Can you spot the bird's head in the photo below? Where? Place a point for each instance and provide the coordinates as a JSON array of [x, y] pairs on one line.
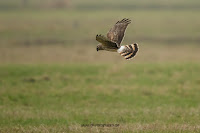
[[99, 47]]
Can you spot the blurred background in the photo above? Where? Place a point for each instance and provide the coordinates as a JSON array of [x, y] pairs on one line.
[[63, 31], [52, 79]]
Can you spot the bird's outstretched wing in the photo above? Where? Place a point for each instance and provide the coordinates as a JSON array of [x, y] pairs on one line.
[[105, 41], [116, 33]]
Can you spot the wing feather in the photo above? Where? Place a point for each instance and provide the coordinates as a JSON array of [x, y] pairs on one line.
[[116, 33], [105, 41]]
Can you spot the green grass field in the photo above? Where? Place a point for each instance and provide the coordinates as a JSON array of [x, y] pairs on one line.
[[53, 80], [139, 97]]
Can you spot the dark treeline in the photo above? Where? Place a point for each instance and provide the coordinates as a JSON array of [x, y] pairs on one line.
[[87, 5], [18, 4]]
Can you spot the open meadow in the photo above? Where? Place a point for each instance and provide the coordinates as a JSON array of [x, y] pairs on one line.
[[52, 79]]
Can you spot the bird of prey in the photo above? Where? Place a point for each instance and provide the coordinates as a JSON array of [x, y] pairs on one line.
[[113, 40]]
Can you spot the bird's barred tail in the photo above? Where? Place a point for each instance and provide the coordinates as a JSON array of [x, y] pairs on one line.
[[128, 51]]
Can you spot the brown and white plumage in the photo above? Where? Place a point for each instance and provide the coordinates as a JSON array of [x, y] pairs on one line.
[[114, 38]]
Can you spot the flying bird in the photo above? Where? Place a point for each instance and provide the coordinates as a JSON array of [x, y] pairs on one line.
[[114, 38]]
